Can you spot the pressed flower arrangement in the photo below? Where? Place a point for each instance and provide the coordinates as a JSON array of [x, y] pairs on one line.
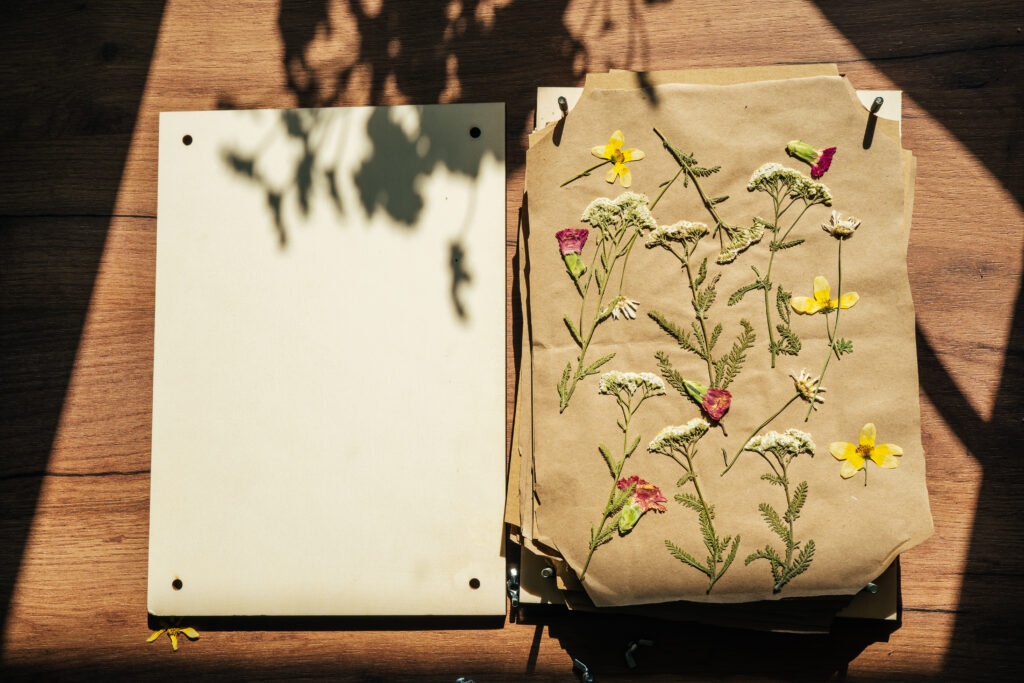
[[779, 451], [616, 224], [631, 497], [680, 444], [787, 188]]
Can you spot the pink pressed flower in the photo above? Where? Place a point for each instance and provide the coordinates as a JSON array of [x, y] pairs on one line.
[[646, 496], [716, 403], [819, 159], [571, 240]]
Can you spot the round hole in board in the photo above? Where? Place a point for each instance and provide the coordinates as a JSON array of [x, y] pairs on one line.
[[474, 583], [474, 132], [187, 140], [176, 584]]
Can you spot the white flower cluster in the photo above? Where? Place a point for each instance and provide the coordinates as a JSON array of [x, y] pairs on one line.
[[683, 231], [741, 238], [793, 442], [628, 209], [613, 382], [680, 435], [797, 183]]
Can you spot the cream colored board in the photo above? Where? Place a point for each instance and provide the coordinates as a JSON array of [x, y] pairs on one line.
[[329, 363]]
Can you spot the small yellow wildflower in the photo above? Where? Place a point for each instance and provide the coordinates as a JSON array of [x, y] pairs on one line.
[[821, 300], [855, 457], [173, 632], [614, 152]]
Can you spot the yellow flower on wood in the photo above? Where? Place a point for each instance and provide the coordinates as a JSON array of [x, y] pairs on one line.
[[614, 152], [855, 457], [821, 301], [173, 632]]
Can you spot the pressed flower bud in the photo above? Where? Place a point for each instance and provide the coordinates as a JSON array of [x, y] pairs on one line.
[[628, 517], [575, 265], [696, 390], [819, 159]]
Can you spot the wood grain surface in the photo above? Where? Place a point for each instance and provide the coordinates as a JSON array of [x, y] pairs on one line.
[[82, 84]]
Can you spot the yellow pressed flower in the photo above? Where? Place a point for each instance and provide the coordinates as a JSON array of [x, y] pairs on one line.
[[173, 632], [855, 457], [821, 301], [614, 152]]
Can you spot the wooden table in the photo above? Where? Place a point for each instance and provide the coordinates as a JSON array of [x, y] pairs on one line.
[[82, 84]]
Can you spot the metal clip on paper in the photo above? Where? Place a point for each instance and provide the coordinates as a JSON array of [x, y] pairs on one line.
[[512, 584]]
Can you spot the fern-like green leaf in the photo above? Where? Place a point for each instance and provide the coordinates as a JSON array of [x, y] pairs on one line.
[[738, 295], [686, 558], [636, 442], [782, 298], [772, 478], [797, 502], [732, 363], [595, 367], [682, 338], [779, 246], [719, 199], [702, 273], [705, 297], [689, 500], [714, 336], [607, 458], [572, 331], [771, 517], [563, 384], [702, 343], [787, 343], [731, 556], [674, 379]]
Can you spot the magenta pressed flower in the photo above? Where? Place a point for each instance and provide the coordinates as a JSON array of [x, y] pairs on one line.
[[570, 244], [646, 496], [819, 159], [716, 403]]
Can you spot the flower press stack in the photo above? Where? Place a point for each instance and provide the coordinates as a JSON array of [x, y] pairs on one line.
[[717, 408]]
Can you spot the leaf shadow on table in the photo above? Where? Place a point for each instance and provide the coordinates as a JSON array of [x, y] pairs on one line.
[[964, 65], [72, 95]]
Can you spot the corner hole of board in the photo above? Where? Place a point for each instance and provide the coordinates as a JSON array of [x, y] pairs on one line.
[[176, 584], [186, 140], [474, 583], [474, 132]]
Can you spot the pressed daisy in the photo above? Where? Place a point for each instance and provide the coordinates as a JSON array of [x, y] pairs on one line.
[[615, 153], [855, 457], [839, 227], [819, 159], [821, 301], [570, 245], [625, 308], [173, 632], [808, 387]]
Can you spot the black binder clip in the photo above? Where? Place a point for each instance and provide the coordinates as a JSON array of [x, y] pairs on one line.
[[512, 584], [869, 133]]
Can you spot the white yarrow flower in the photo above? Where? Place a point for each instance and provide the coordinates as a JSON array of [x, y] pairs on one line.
[[678, 436], [614, 382], [792, 442]]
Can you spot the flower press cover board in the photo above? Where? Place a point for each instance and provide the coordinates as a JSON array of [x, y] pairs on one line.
[[329, 363], [725, 396]]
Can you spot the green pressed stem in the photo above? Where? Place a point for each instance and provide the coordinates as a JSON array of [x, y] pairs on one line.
[[586, 172], [771, 260], [665, 189], [835, 332], [756, 430], [700, 318], [627, 413]]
